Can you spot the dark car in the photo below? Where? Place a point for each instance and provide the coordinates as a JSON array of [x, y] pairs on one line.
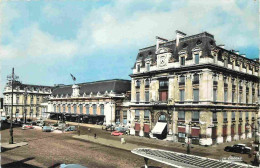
[[238, 148]]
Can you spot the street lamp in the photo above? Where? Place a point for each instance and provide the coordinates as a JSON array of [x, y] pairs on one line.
[[256, 162], [12, 78]]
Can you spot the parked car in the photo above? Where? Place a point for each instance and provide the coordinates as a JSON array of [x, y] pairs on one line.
[[27, 127], [238, 148], [109, 127], [47, 129], [121, 129], [117, 133], [100, 123], [70, 128]]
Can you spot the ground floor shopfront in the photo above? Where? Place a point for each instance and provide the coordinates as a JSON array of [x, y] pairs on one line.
[[197, 125]]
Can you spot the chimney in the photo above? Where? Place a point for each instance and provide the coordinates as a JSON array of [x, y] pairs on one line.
[[221, 46], [243, 55], [237, 52], [159, 41], [179, 35], [75, 90]]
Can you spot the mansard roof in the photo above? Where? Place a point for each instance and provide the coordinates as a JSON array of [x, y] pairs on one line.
[[204, 41], [117, 86], [28, 86]]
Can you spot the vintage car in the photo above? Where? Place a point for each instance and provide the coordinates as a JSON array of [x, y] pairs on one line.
[[70, 128], [47, 129], [238, 148], [117, 133], [27, 127]]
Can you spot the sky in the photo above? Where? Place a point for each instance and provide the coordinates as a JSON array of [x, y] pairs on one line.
[[94, 40]]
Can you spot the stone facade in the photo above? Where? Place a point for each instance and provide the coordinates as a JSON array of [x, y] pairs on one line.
[[199, 89], [27, 100]]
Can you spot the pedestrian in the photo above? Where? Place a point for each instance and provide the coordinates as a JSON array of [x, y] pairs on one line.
[[95, 136]]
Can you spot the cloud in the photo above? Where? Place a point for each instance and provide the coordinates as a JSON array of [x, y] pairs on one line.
[[128, 24], [32, 42]]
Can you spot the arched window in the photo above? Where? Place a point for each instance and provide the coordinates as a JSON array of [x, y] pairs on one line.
[[69, 108], [162, 118], [64, 108], [59, 108], [87, 109], [81, 109], [75, 108], [94, 109], [102, 109]]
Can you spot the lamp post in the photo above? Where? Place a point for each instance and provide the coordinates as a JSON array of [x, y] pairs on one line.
[[12, 78]]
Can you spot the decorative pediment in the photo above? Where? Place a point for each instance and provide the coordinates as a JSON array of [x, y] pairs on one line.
[[225, 55], [196, 49], [233, 58], [163, 50], [84, 94], [182, 52], [91, 94]]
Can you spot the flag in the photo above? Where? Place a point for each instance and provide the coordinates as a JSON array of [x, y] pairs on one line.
[[73, 77]]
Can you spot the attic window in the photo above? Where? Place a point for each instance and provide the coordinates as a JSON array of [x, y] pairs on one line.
[[150, 53], [140, 55], [211, 42], [198, 42], [184, 45]]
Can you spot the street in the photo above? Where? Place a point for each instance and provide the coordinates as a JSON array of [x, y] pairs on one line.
[[51, 150]]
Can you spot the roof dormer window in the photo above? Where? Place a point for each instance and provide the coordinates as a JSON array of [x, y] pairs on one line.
[[182, 60], [148, 66], [138, 67]]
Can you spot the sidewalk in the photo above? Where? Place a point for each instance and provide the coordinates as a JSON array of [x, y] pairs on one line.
[[109, 142], [14, 145]]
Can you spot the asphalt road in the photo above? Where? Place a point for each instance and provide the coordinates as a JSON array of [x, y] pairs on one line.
[[51, 150]]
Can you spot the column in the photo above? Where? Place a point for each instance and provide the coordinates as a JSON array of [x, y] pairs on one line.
[[229, 89], [205, 87], [175, 125], [219, 127], [205, 130], [142, 90], [220, 89], [133, 91], [141, 133], [187, 120], [249, 135], [243, 135], [229, 119], [188, 88], [236, 136], [132, 130]]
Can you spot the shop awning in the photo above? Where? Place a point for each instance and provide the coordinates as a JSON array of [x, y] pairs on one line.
[[159, 127]]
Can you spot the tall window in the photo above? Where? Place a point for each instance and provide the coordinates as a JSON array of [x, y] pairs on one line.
[[138, 83], [182, 61], [94, 109], [196, 95], [181, 115], [147, 67], [75, 108], [31, 99], [182, 80], [137, 96], [233, 115], [87, 109], [54, 108], [215, 116], [38, 99], [195, 78], [59, 108], [117, 116], [63, 106], [225, 116], [137, 114], [138, 68], [162, 118], [233, 96], [197, 59], [69, 108], [147, 96], [124, 117], [182, 95], [81, 109], [240, 115], [17, 99], [102, 109], [226, 62], [17, 113], [146, 114], [147, 83], [163, 90], [214, 95], [225, 95], [195, 116], [240, 97], [247, 115]]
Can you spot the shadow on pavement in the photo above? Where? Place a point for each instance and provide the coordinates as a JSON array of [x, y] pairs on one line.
[[20, 164]]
